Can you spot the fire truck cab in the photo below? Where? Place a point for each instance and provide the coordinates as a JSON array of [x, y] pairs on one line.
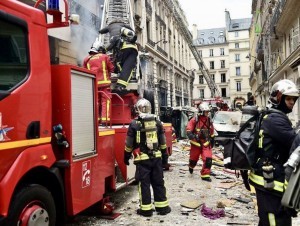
[[55, 159]]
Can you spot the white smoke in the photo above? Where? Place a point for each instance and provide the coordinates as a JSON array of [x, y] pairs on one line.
[[84, 34]]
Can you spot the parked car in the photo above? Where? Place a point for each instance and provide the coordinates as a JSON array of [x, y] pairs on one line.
[[226, 124]]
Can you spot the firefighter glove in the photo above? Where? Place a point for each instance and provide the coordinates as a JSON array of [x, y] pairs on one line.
[[190, 135], [212, 142], [244, 174], [127, 156], [164, 157]]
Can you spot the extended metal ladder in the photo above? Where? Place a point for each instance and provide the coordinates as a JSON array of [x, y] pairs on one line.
[[210, 82], [116, 9]]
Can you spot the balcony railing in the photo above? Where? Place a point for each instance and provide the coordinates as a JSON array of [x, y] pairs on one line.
[[277, 14], [162, 51], [150, 42]]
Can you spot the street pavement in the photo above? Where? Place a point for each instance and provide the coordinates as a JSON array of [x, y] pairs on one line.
[[225, 198]]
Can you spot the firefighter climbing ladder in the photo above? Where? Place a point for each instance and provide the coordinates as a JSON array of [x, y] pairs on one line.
[[119, 10], [210, 82]]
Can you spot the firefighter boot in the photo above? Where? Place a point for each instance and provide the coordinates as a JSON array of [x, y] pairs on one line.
[[163, 210], [206, 179], [120, 90], [145, 213], [191, 170]]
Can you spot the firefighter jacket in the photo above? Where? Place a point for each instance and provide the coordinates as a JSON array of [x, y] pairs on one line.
[[200, 130], [102, 65], [276, 136], [117, 40], [146, 138]]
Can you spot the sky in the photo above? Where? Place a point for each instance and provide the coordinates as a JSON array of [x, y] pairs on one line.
[[211, 13]]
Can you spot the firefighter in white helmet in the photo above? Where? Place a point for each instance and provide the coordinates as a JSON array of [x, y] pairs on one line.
[[125, 51], [200, 131], [275, 140], [100, 63], [147, 142]]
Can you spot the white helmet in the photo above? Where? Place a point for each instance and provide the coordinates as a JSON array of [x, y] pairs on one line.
[[143, 106], [283, 87], [203, 107], [97, 46]]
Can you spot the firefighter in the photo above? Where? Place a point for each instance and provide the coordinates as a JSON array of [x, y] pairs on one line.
[[200, 131], [147, 142], [275, 140], [125, 51], [99, 62]]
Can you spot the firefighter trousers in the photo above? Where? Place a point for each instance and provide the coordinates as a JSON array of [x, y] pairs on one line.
[[104, 106], [127, 59], [150, 172], [206, 156], [270, 210]]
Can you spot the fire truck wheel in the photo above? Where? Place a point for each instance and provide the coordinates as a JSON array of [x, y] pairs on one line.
[[149, 95], [32, 206]]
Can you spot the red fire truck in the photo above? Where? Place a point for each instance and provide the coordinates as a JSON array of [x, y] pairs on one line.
[[55, 160]]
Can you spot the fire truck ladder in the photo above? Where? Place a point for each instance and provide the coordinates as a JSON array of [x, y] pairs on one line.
[[210, 82], [119, 10], [116, 10]]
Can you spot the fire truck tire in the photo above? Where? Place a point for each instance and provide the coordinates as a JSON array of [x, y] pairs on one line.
[[149, 95], [32, 205]]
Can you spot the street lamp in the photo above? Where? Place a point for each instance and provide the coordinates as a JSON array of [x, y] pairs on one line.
[[162, 40]]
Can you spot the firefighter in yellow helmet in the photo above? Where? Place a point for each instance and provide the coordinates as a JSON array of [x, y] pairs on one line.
[[147, 142]]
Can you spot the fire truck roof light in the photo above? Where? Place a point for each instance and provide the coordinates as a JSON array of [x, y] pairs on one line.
[[53, 5]]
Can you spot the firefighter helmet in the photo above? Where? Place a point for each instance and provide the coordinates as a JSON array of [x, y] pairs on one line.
[[203, 107], [97, 47], [283, 87], [143, 106]]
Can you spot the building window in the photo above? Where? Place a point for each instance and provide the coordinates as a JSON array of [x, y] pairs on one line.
[[200, 52], [237, 45], [221, 39], [222, 53], [223, 92], [211, 52], [236, 34], [237, 57], [212, 64], [238, 71], [201, 80], [200, 41], [222, 63], [223, 77], [211, 40], [238, 86], [201, 93], [213, 77]]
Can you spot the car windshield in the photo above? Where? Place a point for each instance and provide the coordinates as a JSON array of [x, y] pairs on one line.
[[227, 117]]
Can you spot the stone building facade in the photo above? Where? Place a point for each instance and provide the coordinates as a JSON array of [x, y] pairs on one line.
[[224, 52], [275, 48]]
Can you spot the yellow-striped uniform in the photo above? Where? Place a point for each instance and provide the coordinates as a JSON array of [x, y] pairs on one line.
[[275, 140], [146, 139], [101, 64]]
